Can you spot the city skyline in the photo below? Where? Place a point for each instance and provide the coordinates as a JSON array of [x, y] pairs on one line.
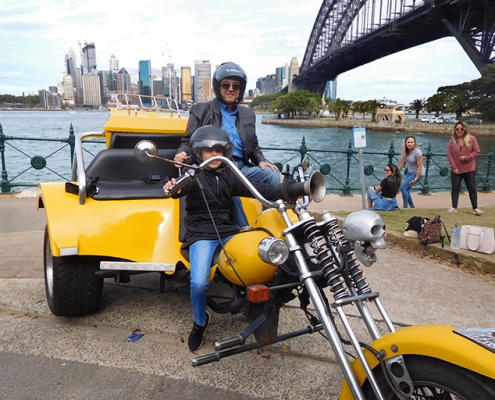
[[259, 36]]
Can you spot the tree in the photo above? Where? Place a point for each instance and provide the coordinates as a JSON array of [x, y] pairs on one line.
[[335, 106], [458, 103], [417, 105], [483, 93], [263, 102], [372, 106], [436, 103]]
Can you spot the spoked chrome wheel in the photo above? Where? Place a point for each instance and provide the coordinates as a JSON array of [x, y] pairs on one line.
[[437, 379]]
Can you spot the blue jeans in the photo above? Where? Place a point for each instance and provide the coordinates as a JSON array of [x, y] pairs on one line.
[[200, 257], [381, 203], [253, 174], [405, 188]]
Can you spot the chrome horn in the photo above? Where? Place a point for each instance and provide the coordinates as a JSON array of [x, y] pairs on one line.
[[316, 187]]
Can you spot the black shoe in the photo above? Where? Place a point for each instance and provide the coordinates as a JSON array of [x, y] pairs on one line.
[[196, 337]]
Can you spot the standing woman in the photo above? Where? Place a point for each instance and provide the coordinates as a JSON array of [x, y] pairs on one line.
[[461, 151], [412, 156], [383, 196]]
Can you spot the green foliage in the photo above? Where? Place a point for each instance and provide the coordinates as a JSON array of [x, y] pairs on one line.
[[262, 103], [483, 93], [417, 105], [436, 103], [8, 100]]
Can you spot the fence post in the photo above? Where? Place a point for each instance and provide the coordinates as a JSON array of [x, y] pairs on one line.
[[391, 153], [426, 188], [5, 181], [72, 144], [486, 184], [303, 149], [347, 187]]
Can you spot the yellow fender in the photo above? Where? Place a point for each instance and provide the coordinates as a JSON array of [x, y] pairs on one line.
[[437, 341]]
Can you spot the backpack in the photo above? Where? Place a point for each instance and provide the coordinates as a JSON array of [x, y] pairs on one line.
[[431, 231]]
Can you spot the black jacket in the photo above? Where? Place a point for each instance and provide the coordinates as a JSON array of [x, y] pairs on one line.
[[208, 113], [219, 187]]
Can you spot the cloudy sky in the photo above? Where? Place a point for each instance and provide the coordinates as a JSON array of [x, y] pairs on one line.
[[259, 35]]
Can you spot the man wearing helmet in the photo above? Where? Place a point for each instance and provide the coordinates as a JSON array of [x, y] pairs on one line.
[[224, 111], [208, 220]]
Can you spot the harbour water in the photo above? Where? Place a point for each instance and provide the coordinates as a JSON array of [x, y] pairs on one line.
[[319, 141]]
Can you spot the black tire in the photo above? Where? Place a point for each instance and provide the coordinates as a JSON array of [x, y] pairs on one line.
[[71, 285], [437, 379]]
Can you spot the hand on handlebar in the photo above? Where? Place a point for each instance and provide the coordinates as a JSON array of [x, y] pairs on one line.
[[181, 157], [169, 185]]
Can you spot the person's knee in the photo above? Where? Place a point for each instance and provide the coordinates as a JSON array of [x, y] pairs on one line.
[[198, 287]]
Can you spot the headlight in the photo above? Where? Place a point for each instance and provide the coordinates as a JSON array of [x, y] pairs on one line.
[[273, 251]]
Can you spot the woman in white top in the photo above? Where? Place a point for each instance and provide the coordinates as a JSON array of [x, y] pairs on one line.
[[412, 156]]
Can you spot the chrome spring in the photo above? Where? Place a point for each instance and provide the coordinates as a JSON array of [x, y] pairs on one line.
[[356, 276], [330, 269]]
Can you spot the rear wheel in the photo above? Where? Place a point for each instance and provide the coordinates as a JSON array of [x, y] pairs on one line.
[[436, 379], [72, 287]]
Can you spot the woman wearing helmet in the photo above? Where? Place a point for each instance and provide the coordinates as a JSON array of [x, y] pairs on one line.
[[209, 200], [224, 111]]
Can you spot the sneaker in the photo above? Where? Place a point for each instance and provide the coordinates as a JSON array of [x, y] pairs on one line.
[[196, 337]]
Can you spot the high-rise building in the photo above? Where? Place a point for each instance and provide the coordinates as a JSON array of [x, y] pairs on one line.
[[123, 81], [158, 87], [89, 58], [113, 64], [282, 75], [145, 83], [68, 90], [202, 80], [72, 69], [171, 82], [91, 89], [49, 99], [186, 84], [331, 90], [107, 85]]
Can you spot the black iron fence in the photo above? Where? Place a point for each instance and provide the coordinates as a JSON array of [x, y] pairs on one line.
[[341, 168]]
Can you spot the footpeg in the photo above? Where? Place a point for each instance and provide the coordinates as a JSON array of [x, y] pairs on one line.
[[226, 344]]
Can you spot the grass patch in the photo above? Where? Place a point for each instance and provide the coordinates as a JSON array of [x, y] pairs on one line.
[[396, 220]]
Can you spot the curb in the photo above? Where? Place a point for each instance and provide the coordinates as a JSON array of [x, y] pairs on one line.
[[481, 262]]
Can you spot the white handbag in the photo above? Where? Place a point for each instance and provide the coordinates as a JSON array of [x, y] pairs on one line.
[[477, 238]]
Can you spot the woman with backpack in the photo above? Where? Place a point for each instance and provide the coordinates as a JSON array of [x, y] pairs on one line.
[[383, 196]]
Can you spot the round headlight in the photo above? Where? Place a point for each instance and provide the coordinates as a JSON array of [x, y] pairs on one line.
[[273, 251]]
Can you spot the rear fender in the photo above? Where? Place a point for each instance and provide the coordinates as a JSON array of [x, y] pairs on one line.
[[144, 230], [437, 341]]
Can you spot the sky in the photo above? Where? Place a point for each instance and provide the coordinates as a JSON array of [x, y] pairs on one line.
[[259, 35]]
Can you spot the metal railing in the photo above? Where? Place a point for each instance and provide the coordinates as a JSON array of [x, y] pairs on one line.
[[340, 167]]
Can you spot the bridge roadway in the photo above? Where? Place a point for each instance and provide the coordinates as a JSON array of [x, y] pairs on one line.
[[87, 357]]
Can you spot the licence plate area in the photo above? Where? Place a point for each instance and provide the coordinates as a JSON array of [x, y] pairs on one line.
[[133, 266], [485, 337]]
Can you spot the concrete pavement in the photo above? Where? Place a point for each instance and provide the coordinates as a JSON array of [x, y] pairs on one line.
[[413, 290]]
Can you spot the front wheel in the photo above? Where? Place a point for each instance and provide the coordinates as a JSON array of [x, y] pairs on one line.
[[437, 379], [72, 287]]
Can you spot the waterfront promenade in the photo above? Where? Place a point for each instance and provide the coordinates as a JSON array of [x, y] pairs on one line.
[[88, 356]]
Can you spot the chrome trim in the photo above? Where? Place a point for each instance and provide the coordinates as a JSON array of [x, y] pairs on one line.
[[133, 266], [68, 251], [485, 337]]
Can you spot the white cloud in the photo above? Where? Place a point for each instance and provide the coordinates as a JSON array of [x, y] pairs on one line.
[[259, 35]]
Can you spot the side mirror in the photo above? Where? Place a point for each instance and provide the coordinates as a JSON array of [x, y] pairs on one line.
[[145, 151]]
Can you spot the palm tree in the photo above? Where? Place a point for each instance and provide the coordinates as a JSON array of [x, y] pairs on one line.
[[436, 103], [335, 106], [346, 106], [417, 105], [458, 103], [372, 106]]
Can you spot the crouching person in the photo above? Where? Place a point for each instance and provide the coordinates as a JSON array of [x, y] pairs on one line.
[[383, 196]]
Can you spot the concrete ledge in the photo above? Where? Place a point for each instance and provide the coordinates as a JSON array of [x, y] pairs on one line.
[[481, 262]]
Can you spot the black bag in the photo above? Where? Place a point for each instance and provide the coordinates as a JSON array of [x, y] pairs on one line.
[[414, 224], [431, 231]]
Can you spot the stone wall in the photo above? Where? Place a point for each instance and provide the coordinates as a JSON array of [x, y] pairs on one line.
[[383, 126]]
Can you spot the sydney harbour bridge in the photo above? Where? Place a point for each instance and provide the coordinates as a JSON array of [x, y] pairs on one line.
[[351, 33]]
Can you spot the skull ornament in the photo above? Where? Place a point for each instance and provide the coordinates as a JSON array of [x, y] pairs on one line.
[[365, 226]]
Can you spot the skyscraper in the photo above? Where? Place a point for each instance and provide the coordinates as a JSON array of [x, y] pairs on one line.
[[114, 64], [123, 81], [145, 83], [72, 70], [171, 82], [202, 80], [91, 89], [186, 84], [89, 58]]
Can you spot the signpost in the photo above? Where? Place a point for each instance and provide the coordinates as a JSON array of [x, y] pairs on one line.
[[359, 142]]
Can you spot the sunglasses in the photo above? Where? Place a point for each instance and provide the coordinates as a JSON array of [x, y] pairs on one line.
[[459, 129], [235, 86]]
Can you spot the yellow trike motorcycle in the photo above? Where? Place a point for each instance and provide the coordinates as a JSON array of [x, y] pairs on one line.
[[114, 220]]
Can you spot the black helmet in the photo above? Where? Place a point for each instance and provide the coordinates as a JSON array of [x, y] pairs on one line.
[[210, 136], [229, 70]]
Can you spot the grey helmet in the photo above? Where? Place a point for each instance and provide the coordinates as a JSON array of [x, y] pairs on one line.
[[210, 136], [229, 70]]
